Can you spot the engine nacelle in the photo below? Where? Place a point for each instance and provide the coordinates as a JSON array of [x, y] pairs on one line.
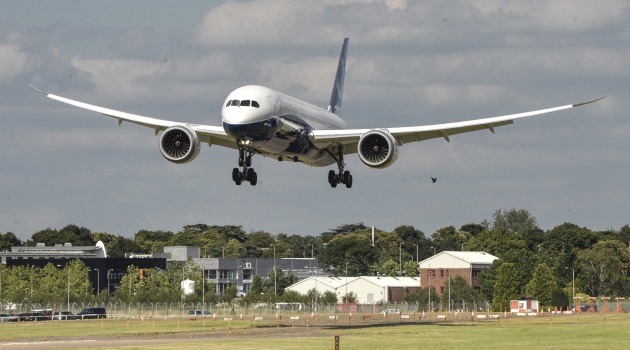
[[377, 149], [179, 144]]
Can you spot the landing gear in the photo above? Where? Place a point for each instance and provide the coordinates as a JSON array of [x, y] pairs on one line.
[[246, 174], [343, 177]]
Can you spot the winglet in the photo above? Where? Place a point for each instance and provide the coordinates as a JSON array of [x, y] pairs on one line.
[[38, 90], [589, 102], [337, 93]]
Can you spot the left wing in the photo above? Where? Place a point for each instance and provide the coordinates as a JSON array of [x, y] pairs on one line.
[[350, 137], [207, 133]]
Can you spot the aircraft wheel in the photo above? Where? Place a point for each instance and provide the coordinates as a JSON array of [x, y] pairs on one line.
[[251, 176], [348, 181], [332, 178], [235, 174]]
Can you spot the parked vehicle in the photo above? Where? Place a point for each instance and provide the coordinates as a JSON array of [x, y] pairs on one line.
[[64, 315], [199, 313], [33, 316], [392, 311], [92, 312], [8, 318]]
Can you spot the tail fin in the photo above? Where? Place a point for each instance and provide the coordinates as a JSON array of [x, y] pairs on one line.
[[337, 93]]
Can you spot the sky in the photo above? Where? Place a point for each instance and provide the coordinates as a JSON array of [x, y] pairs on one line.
[[409, 63]]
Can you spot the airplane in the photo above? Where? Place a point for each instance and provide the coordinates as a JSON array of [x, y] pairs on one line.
[[257, 120]]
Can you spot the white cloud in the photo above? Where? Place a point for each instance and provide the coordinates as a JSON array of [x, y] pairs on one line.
[[122, 77], [13, 62]]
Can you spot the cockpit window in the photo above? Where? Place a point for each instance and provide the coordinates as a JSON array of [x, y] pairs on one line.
[[243, 103]]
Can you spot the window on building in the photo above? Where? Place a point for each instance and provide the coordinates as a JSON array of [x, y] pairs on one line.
[[247, 274], [431, 273], [442, 273], [475, 273]]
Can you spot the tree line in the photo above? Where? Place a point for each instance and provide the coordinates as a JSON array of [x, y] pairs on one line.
[[546, 265]]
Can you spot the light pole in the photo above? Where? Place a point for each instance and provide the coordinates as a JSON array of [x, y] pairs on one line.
[[346, 285], [417, 256], [573, 283], [429, 276], [109, 271], [68, 267], [98, 281], [400, 258], [275, 279], [449, 289]]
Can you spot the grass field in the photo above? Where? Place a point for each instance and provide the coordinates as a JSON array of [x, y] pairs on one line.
[[584, 331]]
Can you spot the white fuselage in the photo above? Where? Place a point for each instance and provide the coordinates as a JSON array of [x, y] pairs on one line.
[[277, 125]]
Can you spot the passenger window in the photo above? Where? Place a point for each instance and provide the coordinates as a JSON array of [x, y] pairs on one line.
[[255, 104], [245, 103]]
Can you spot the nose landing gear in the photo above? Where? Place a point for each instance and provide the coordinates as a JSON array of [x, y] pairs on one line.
[[246, 174]]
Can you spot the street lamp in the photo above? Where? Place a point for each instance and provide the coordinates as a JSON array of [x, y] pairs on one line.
[[68, 267], [346, 285], [417, 256], [98, 282], [573, 283], [275, 280], [400, 257]]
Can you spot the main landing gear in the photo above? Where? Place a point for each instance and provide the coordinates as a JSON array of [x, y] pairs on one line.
[[246, 174], [343, 177]]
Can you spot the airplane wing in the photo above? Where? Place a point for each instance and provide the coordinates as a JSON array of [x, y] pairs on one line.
[[350, 137], [207, 133]]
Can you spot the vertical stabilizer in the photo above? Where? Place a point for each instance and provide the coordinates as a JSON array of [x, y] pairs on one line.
[[337, 92]]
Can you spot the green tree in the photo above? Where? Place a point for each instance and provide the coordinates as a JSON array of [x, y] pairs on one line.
[[234, 249], [343, 230], [506, 287], [390, 268], [354, 249], [513, 220], [328, 298], [449, 238], [559, 298], [410, 269], [604, 268], [542, 285], [152, 241], [8, 240], [49, 285], [77, 236], [17, 284], [421, 298], [229, 294], [460, 290], [255, 241]]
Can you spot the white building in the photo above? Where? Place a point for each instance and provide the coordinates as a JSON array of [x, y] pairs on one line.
[[368, 289]]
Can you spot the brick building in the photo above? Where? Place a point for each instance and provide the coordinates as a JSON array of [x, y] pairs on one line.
[[435, 271]]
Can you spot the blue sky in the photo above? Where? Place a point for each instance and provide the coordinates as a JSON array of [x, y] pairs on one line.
[[410, 63]]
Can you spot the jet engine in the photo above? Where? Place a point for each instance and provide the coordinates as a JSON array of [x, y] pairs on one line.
[[377, 149], [179, 144]]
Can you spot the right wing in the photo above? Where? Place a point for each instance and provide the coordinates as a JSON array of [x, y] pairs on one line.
[[207, 133], [350, 137]]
